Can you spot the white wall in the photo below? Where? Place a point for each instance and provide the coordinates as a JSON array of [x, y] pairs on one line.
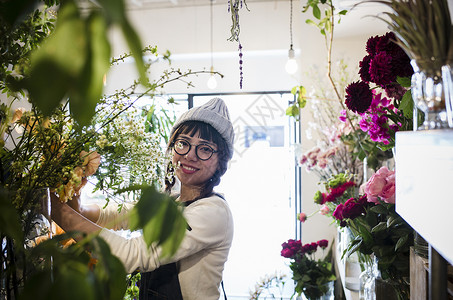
[[264, 36]]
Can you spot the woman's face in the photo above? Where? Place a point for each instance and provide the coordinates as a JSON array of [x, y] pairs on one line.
[[193, 171]]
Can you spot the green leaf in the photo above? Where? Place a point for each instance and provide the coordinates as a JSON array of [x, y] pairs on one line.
[[401, 242], [293, 111], [109, 272], [9, 218], [407, 105], [66, 277], [135, 45], [310, 22], [392, 221], [379, 209], [379, 227], [89, 90], [116, 12], [353, 246], [56, 65], [316, 12], [404, 81], [161, 220], [301, 99]]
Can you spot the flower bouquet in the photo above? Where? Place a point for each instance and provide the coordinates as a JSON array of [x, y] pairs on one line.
[[382, 98], [377, 228], [310, 274]]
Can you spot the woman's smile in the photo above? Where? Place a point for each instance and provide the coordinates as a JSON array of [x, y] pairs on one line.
[[188, 169]]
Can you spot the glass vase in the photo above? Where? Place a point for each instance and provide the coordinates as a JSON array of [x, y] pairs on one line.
[[41, 224], [364, 278], [428, 93], [447, 78], [17, 265], [329, 295], [352, 268]]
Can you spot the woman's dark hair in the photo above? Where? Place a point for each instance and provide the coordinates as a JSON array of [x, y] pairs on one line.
[[206, 132]]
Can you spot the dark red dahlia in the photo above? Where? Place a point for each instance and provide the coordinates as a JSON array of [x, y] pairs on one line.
[[364, 70], [401, 63], [371, 45], [381, 71], [385, 42], [358, 96], [395, 91]]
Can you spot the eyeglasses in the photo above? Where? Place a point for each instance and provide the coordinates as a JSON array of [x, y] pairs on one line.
[[203, 151]]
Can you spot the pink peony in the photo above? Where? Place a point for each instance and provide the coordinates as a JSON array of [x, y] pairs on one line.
[[388, 192], [381, 185]]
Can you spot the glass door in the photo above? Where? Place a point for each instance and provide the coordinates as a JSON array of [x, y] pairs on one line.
[[260, 189]]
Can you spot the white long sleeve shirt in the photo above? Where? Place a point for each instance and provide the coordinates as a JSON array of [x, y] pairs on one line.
[[201, 255]]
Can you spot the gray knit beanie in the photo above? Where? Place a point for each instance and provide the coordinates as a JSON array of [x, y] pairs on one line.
[[214, 113]]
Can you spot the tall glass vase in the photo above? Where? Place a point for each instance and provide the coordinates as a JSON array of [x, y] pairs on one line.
[[429, 95], [17, 263], [447, 78]]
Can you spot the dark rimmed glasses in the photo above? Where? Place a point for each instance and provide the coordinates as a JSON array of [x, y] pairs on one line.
[[203, 151]]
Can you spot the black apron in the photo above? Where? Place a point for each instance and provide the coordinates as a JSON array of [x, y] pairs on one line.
[[160, 284], [163, 283]]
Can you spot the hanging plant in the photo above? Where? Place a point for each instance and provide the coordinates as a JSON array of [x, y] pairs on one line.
[[234, 6]]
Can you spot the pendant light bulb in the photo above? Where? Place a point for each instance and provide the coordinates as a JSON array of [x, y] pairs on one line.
[[212, 82], [291, 64]]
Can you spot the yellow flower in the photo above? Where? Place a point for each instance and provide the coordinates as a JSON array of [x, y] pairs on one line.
[[17, 114], [91, 162]]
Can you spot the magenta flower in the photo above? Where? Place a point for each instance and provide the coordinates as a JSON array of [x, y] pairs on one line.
[[342, 116], [291, 248], [323, 243], [338, 191], [338, 213], [358, 96], [353, 208]]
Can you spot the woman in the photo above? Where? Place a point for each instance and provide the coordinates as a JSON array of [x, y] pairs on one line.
[[202, 144]]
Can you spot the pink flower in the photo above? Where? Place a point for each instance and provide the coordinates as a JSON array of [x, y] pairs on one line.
[[388, 191], [302, 217], [324, 210], [313, 154], [322, 163], [331, 152], [381, 185], [342, 116], [303, 159]]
